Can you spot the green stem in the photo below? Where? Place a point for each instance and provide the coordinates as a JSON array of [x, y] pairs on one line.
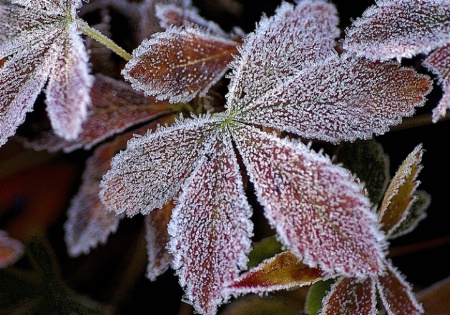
[[102, 39]]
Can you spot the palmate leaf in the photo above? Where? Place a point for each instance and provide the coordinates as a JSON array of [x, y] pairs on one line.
[[42, 44], [319, 210], [399, 28], [180, 63]]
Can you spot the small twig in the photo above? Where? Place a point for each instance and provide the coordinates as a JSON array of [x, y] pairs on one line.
[[418, 121], [421, 246]]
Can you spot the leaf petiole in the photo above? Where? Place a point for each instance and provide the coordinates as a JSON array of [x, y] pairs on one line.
[[98, 36]]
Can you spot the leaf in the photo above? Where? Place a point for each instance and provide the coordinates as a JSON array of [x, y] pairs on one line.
[[339, 99], [157, 162], [211, 228], [349, 296], [264, 249], [315, 295], [157, 237], [367, 160], [11, 250], [115, 108], [434, 298], [439, 63], [415, 214], [295, 37], [400, 193], [396, 294], [42, 44], [179, 64], [282, 271], [400, 28], [89, 223], [317, 208]]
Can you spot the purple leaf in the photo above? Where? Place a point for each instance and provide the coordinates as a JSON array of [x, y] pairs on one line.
[[158, 162], [439, 63], [211, 228], [396, 294], [340, 99], [317, 208], [400, 28], [280, 46], [42, 43]]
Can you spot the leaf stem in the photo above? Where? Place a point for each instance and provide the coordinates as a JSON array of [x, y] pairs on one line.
[[102, 39]]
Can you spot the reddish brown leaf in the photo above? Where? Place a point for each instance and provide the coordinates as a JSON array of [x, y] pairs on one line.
[[349, 296], [283, 271], [396, 294], [157, 237], [179, 64]]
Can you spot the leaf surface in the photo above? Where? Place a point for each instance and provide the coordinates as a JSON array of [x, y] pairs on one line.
[[400, 193], [292, 39], [317, 208], [153, 168], [282, 271], [396, 294], [439, 63], [401, 28], [211, 228], [340, 99], [349, 296], [179, 64]]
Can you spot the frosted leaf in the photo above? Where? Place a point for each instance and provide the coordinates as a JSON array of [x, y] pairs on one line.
[[340, 99], [396, 294], [400, 193], [179, 64], [292, 39], [10, 250], [349, 296], [439, 63], [282, 271], [211, 228], [22, 78], [41, 42], [67, 92], [115, 107], [401, 28], [317, 208], [157, 237], [153, 168]]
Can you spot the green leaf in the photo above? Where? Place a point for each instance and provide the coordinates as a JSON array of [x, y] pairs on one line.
[[264, 249], [316, 293]]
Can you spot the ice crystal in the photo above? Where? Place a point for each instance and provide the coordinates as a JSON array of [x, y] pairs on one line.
[[43, 48]]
